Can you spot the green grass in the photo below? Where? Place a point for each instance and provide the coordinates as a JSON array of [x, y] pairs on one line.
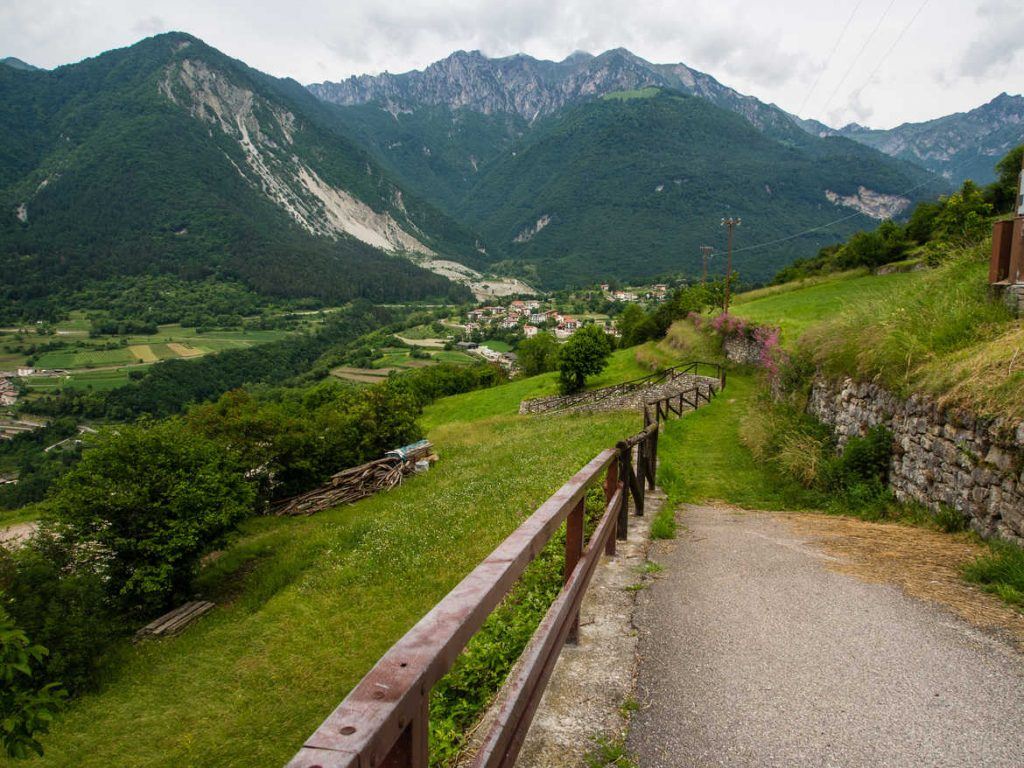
[[795, 307], [1001, 572], [498, 345], [702, 459], [307, 605], [640, 93]]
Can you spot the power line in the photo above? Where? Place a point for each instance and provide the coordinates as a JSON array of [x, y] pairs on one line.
[[828, 224], [828, 61], [860, 53], [892, 47]]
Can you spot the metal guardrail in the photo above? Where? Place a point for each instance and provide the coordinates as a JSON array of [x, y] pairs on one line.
[[383, 722]]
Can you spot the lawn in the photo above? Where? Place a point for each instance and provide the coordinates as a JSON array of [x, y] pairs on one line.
[[307, 605], [702, 459], [497, 345], [796, 307]]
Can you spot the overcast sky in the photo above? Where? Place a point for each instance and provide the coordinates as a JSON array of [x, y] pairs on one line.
[[879, 62]]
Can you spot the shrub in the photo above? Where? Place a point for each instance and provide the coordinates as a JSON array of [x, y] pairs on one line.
[[57, 593], [538, 355], [150, 500], [27, 702]]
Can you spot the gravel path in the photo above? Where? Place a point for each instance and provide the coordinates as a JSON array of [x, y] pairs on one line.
[[753, 653]]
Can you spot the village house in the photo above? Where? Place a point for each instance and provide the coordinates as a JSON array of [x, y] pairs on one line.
[[530, 331]]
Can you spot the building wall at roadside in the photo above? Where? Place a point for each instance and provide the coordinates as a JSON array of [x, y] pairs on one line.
[[941, 456]]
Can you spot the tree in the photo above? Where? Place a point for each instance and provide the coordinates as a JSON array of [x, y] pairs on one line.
[[538, 355], [151, 499], [963, 215], [1004, 189], [584, 354], [27, 704]]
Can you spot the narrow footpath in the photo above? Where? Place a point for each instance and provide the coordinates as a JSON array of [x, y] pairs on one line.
[[758, 649]]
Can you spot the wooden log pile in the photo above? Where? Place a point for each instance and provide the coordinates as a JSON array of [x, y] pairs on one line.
[[351, 485], [173, 622]]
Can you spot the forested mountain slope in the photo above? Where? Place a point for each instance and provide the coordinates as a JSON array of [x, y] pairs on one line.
[[631, 185], [170, 158]]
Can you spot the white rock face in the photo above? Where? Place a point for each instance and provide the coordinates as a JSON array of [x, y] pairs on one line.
[[21, 212], [877, 205], [271, 166], [528, 234]]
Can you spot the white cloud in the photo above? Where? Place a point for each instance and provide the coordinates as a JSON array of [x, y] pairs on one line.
[[771, 50]]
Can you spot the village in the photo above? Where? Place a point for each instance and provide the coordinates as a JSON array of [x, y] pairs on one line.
[[561, 315]]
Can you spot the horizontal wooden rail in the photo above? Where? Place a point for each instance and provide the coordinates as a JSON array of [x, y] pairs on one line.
[[383, 721]]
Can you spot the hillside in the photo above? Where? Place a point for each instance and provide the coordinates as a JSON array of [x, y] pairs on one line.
[[961, 146], [630, 187], [170, 158]]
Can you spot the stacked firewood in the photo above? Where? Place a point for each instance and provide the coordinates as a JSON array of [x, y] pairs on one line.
[[351, 485]]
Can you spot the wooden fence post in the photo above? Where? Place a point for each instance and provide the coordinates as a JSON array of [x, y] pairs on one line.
[[411, 750], [624, 476], [611, 485], [573, 553]]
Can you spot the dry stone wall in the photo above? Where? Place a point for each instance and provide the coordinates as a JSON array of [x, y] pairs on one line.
[[623, 400], [742, 350], [941, 456]]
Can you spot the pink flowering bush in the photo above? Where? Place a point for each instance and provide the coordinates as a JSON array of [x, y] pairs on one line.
[[766, 338]]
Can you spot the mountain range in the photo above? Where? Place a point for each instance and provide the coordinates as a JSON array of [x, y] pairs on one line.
[[169, 157]]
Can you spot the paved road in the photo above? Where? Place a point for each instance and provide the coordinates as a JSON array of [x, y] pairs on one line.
[[753, 653]]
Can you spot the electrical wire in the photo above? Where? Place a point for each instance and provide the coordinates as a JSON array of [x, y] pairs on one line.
[[828, 61], [860, 53], [881, 61]]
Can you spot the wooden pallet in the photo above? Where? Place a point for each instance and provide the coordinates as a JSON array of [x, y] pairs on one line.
[[174, 622]]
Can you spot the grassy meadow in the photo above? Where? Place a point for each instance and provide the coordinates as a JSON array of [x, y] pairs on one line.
[[307, 605]]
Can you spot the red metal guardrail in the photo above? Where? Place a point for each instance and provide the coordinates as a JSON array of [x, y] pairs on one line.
[[383, 722]]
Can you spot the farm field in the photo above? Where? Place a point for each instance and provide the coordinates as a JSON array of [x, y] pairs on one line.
[[103, 362], [299, 616], [398, 359]]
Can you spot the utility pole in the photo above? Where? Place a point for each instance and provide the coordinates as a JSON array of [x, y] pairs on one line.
[[730, 224], [705, 252]]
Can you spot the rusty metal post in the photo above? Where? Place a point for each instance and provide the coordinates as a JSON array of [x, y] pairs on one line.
[[573, 553]]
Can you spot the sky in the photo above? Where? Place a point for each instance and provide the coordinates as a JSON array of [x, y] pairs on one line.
[[876, 62]]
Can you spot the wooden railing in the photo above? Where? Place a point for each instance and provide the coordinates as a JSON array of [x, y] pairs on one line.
[[383, 722], [656, 411]]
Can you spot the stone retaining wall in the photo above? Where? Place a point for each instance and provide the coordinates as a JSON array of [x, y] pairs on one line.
[[940, 457], [739, 349], [630, 400]]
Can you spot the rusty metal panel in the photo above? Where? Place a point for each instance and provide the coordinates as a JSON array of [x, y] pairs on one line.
[[365, 727], [1015, 274], [999, 264]]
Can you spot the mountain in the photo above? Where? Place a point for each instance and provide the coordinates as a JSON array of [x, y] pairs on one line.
[[16, 63], [965, 145], [570, 177], [170, 158], [534, 88], [631, 184]]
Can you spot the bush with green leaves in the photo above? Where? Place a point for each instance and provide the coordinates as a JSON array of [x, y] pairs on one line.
[[539, 354], [58, 593], [149, 500], [28, 702], [584, 354]]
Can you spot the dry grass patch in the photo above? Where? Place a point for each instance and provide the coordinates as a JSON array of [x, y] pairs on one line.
[[184, 350], [926, 564], [143, 352]]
